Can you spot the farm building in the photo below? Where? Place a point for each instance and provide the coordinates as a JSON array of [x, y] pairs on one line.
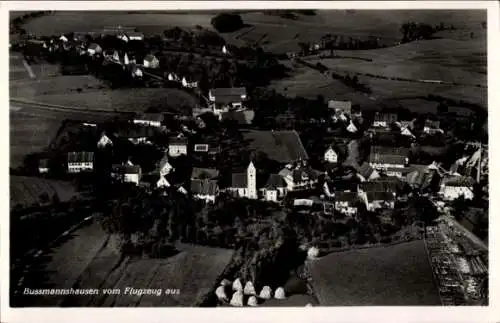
[[223, 99], [274, 189], [244, 185], [205, 189], [149, 119], [177, 146], [346, 202], [298, 177], [380, 199], [384, 119], [331, 155], [455, 186], [281, 146], [126, 173], [388, 158], [151, 61], [80, 161], [391, 275]]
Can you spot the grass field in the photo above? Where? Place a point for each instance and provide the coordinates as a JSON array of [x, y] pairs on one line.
[[79, 263], [390, 275], [27, 190]]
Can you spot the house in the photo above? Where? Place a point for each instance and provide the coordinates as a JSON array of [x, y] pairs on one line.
[[205, 189], [340, 108], [299, 177], [80, 161], [136, 72], [330, 155], [189, 83], [122, 36], [63, 38], [94, 49], [104, 141], [224, 50], [224, 99], [177, 146], [244, 185], [385, 184], [204, 173], [164, 167], [242, 117], [137, 134], [274, 189], [151, 61], [455, 186], [201, 148], [384, 119], [367, 172], [126, 173], [134, 35], [149, 119], [387, 158], [162, 182], [432, 127], [377, 200], [173, 77], [346, 202], [43, 166]]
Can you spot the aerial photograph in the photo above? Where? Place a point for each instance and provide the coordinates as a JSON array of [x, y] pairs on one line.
[[248, 158]]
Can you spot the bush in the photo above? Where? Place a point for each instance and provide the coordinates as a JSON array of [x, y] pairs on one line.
[[226, 22]]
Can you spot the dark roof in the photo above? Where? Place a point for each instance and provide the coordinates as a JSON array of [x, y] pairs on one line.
[[275, 181], [230, 91], [150, 57], [126, 169], [198, 173], [281, 146], [136, 132], [150, 117], [94, 46], [365, 170], [351, 197], [380, 196], [381, 185], [239, 180], [462, 181], [388, 155], [386, 116], [177, 141], [432, 124], [397, 274], [242, 117], [81, 157], [299, 174], [204, 186], [43, 163]]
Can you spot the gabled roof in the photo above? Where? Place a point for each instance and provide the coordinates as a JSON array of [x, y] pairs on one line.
[[432, 124], [94, 46], [388, 155], [230, 91], [177, 141], [275, 181], [150, 57], [458, 181], [385, 116], [365, 170], [150, 116], [136, 132], [126, 169], [199, 173], [239, 180], [204, 186], [340, 106], [381, 185], [380, 196], [350, 197], [81, 157]]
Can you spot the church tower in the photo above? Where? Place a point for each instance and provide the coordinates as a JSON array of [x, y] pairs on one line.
[[251, 181]]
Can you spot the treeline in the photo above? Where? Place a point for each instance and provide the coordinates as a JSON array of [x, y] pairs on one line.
[[418, 31], [16, 23]]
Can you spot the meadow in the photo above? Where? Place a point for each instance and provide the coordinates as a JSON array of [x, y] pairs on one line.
[[26, 191]]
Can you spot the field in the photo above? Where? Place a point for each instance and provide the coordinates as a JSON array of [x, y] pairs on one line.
[[27, 190], [390, 275], [281, 146], [87, 260]]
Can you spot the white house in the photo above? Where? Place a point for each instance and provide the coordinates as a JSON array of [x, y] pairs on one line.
[[173, 77], [151, 61], [137, 72], [149, 119], [331, 156], [245, 184], [162, 182], [299, 177], [224, 99], [274, 189], [205, 189], [432, 127], [104, 141], [376, 200], [388, 158], [345, 202], [177, 146], [384, 119], [189, 84], [63, 38], [80, 161], [224, 50], [43, 166], [127, 173], [133, 35], [123, 37], [455, 186]]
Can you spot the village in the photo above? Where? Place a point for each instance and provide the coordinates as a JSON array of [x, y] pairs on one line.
[[357, 166]]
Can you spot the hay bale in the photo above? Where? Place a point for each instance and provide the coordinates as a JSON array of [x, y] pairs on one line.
[[221, 294], [279, 293], [237, 299], [249, 289], [266, 292], [252, 301], [237, 286]]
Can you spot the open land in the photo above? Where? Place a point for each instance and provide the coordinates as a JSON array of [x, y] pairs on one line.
[[27, 190], [391, 275], [86, 260]]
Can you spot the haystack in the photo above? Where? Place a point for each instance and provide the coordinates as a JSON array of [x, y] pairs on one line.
[[237, 299], [249, 289], [266, 292], [279, 293], [252, 301], [237, 285]]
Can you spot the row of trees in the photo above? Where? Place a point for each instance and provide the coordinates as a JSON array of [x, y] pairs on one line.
[[415, 31]]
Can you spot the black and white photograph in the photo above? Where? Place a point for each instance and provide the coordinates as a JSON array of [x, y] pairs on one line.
[[234, 158]]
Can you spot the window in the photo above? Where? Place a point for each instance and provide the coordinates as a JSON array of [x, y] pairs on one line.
[[201, 147]]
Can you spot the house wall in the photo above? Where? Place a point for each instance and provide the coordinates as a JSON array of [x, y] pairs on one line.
[[379, 166], [206, 198], [42, 170], [331, 156], [379, 124], [454, 192], [131, 178], [345, 208], [177, 150], [271, 195], [78, 167], [150, 123]]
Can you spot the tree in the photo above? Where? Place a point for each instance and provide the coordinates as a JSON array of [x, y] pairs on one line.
[[226, 22]]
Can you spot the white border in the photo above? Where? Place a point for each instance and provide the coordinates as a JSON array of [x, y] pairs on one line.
[[316, 314]]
